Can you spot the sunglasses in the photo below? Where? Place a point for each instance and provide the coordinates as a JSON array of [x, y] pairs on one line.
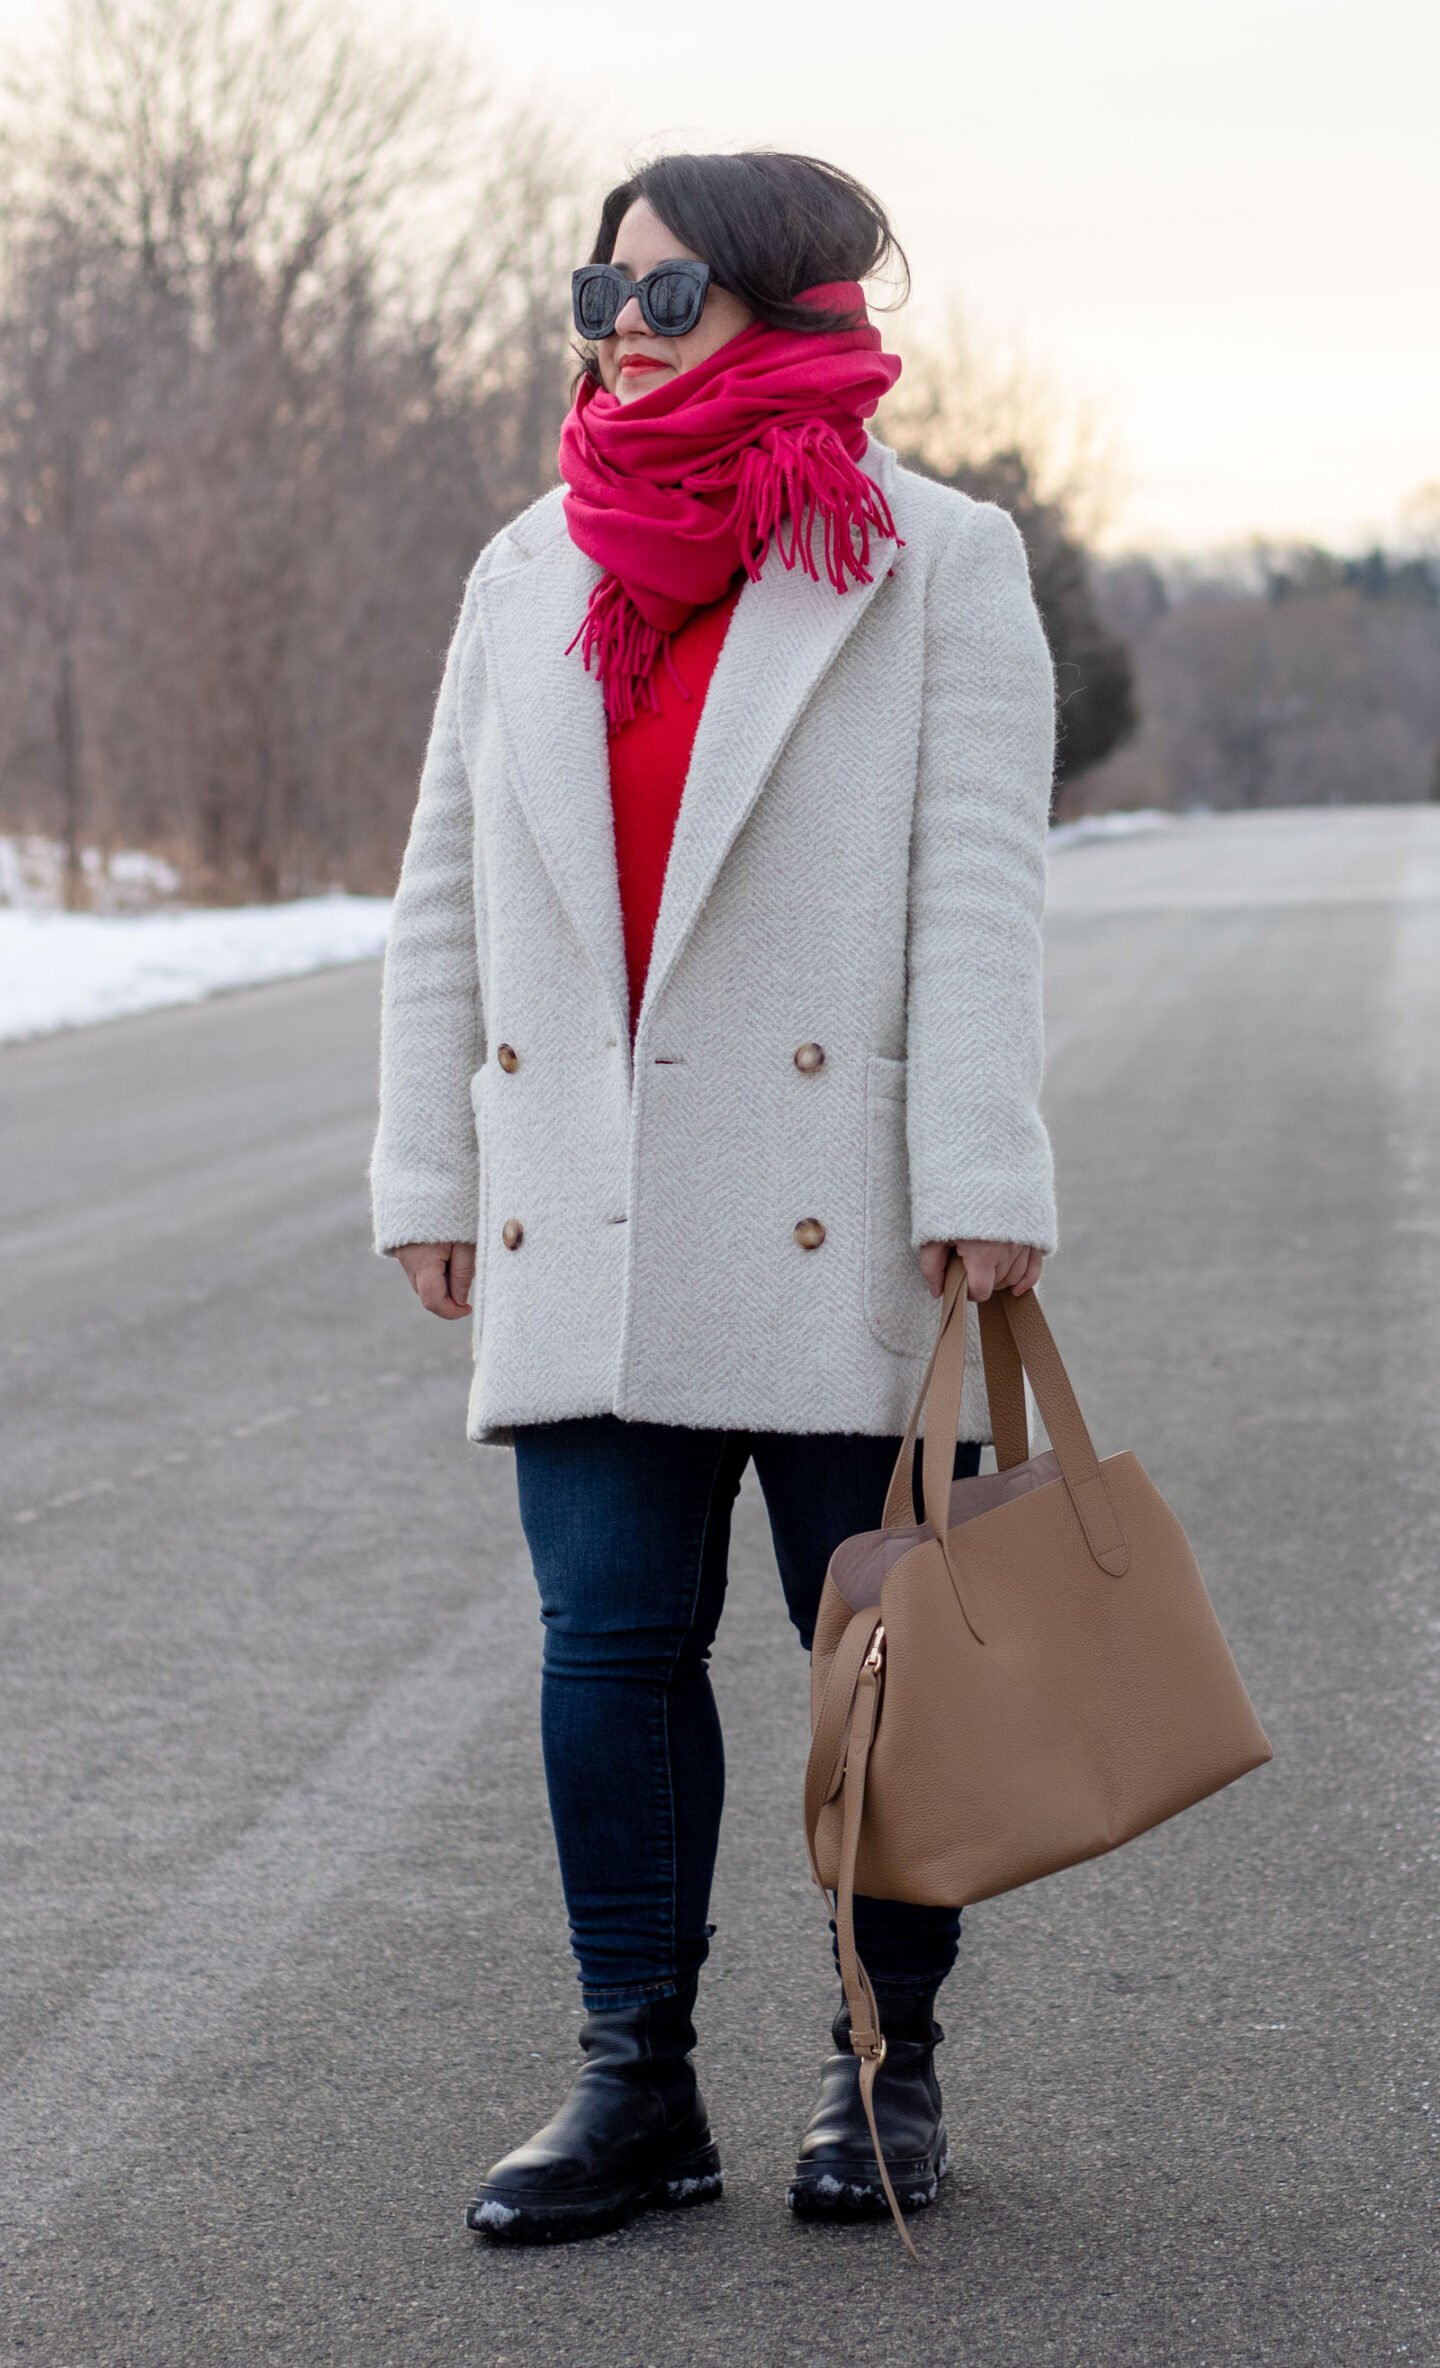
[[671, 297]]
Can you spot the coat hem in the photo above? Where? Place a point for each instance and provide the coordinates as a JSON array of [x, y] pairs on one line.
[[497, 1430]]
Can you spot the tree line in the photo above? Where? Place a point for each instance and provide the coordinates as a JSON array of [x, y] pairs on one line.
[[1287, 677], [284, 339]]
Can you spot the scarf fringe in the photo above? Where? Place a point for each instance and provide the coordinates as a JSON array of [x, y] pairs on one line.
[[804, 473], [800, 475], [623, 650]]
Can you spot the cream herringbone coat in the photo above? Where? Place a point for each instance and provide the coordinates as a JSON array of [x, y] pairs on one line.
[[859, 863]]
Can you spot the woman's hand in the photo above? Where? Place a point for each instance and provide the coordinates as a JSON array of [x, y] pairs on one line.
[[989, 1266], [441, 1273]]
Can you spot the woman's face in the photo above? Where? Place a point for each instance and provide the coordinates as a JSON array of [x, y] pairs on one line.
[[632, 361]]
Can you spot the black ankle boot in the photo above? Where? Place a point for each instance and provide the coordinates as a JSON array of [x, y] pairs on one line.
[[836, 2177], [632, 2132]]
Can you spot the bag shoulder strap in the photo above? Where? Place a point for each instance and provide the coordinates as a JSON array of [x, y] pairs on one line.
[[866, 2037], [831, 1733], [840, 1756]]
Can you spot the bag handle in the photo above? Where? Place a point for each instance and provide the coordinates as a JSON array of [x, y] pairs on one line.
[[1069, 1435], [1035, 1353], [1005, 1389]]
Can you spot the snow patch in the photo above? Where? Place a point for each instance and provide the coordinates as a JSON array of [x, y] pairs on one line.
[[1120, 825], [127, 879], [68, 970]]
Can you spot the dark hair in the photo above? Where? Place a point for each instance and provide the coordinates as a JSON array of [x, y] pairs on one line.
[[767, 225]]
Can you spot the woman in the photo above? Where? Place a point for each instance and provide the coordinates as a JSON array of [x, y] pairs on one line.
[[714, 1081]]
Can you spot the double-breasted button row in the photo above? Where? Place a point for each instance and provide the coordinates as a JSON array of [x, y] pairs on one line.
[[512, 1232], [809, 1233], [808, 1058]]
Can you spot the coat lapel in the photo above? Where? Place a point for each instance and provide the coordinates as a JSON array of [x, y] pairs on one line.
[[785, 632], [553, 718]]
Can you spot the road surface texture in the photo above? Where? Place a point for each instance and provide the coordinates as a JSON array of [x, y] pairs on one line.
[[285, 1952]]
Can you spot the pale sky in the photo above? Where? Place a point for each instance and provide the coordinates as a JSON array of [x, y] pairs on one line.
[[1217, 225]]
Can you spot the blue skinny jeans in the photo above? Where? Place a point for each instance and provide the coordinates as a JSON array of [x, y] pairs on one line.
[[628, 1525]]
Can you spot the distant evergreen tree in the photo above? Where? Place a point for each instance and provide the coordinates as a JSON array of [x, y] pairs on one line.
[[1378, 576], [1095, 680]]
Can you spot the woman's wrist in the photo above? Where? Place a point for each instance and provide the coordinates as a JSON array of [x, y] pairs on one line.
[[989, 1266]]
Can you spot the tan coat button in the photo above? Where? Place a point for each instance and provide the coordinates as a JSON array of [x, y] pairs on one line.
[[512, 1233], [508, 1058], [809, 1233], [809, 1058]]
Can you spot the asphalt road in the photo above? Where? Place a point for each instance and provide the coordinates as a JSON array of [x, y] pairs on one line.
[[284, 1950]]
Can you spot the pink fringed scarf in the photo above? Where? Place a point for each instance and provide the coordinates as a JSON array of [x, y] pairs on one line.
[[675, 491]]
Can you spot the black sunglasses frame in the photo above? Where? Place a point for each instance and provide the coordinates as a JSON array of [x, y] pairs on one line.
[[698, 277]]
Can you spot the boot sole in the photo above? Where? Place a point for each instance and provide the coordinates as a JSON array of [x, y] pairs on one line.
[[850, 2189], [696, 2180]]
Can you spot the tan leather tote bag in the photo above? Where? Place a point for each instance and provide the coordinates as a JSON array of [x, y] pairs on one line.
[[1028, 1679]]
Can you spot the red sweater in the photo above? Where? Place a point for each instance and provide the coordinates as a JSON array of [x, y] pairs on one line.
[[649, 759]]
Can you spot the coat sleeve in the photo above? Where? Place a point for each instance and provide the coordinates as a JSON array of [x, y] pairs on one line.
[[980, 1160], [424, 1177]]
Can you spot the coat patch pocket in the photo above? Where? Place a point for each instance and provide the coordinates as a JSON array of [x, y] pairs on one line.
[[898, 1308]]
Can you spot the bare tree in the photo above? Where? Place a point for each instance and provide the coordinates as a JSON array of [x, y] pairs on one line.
[[282, 340], [963, 398]]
